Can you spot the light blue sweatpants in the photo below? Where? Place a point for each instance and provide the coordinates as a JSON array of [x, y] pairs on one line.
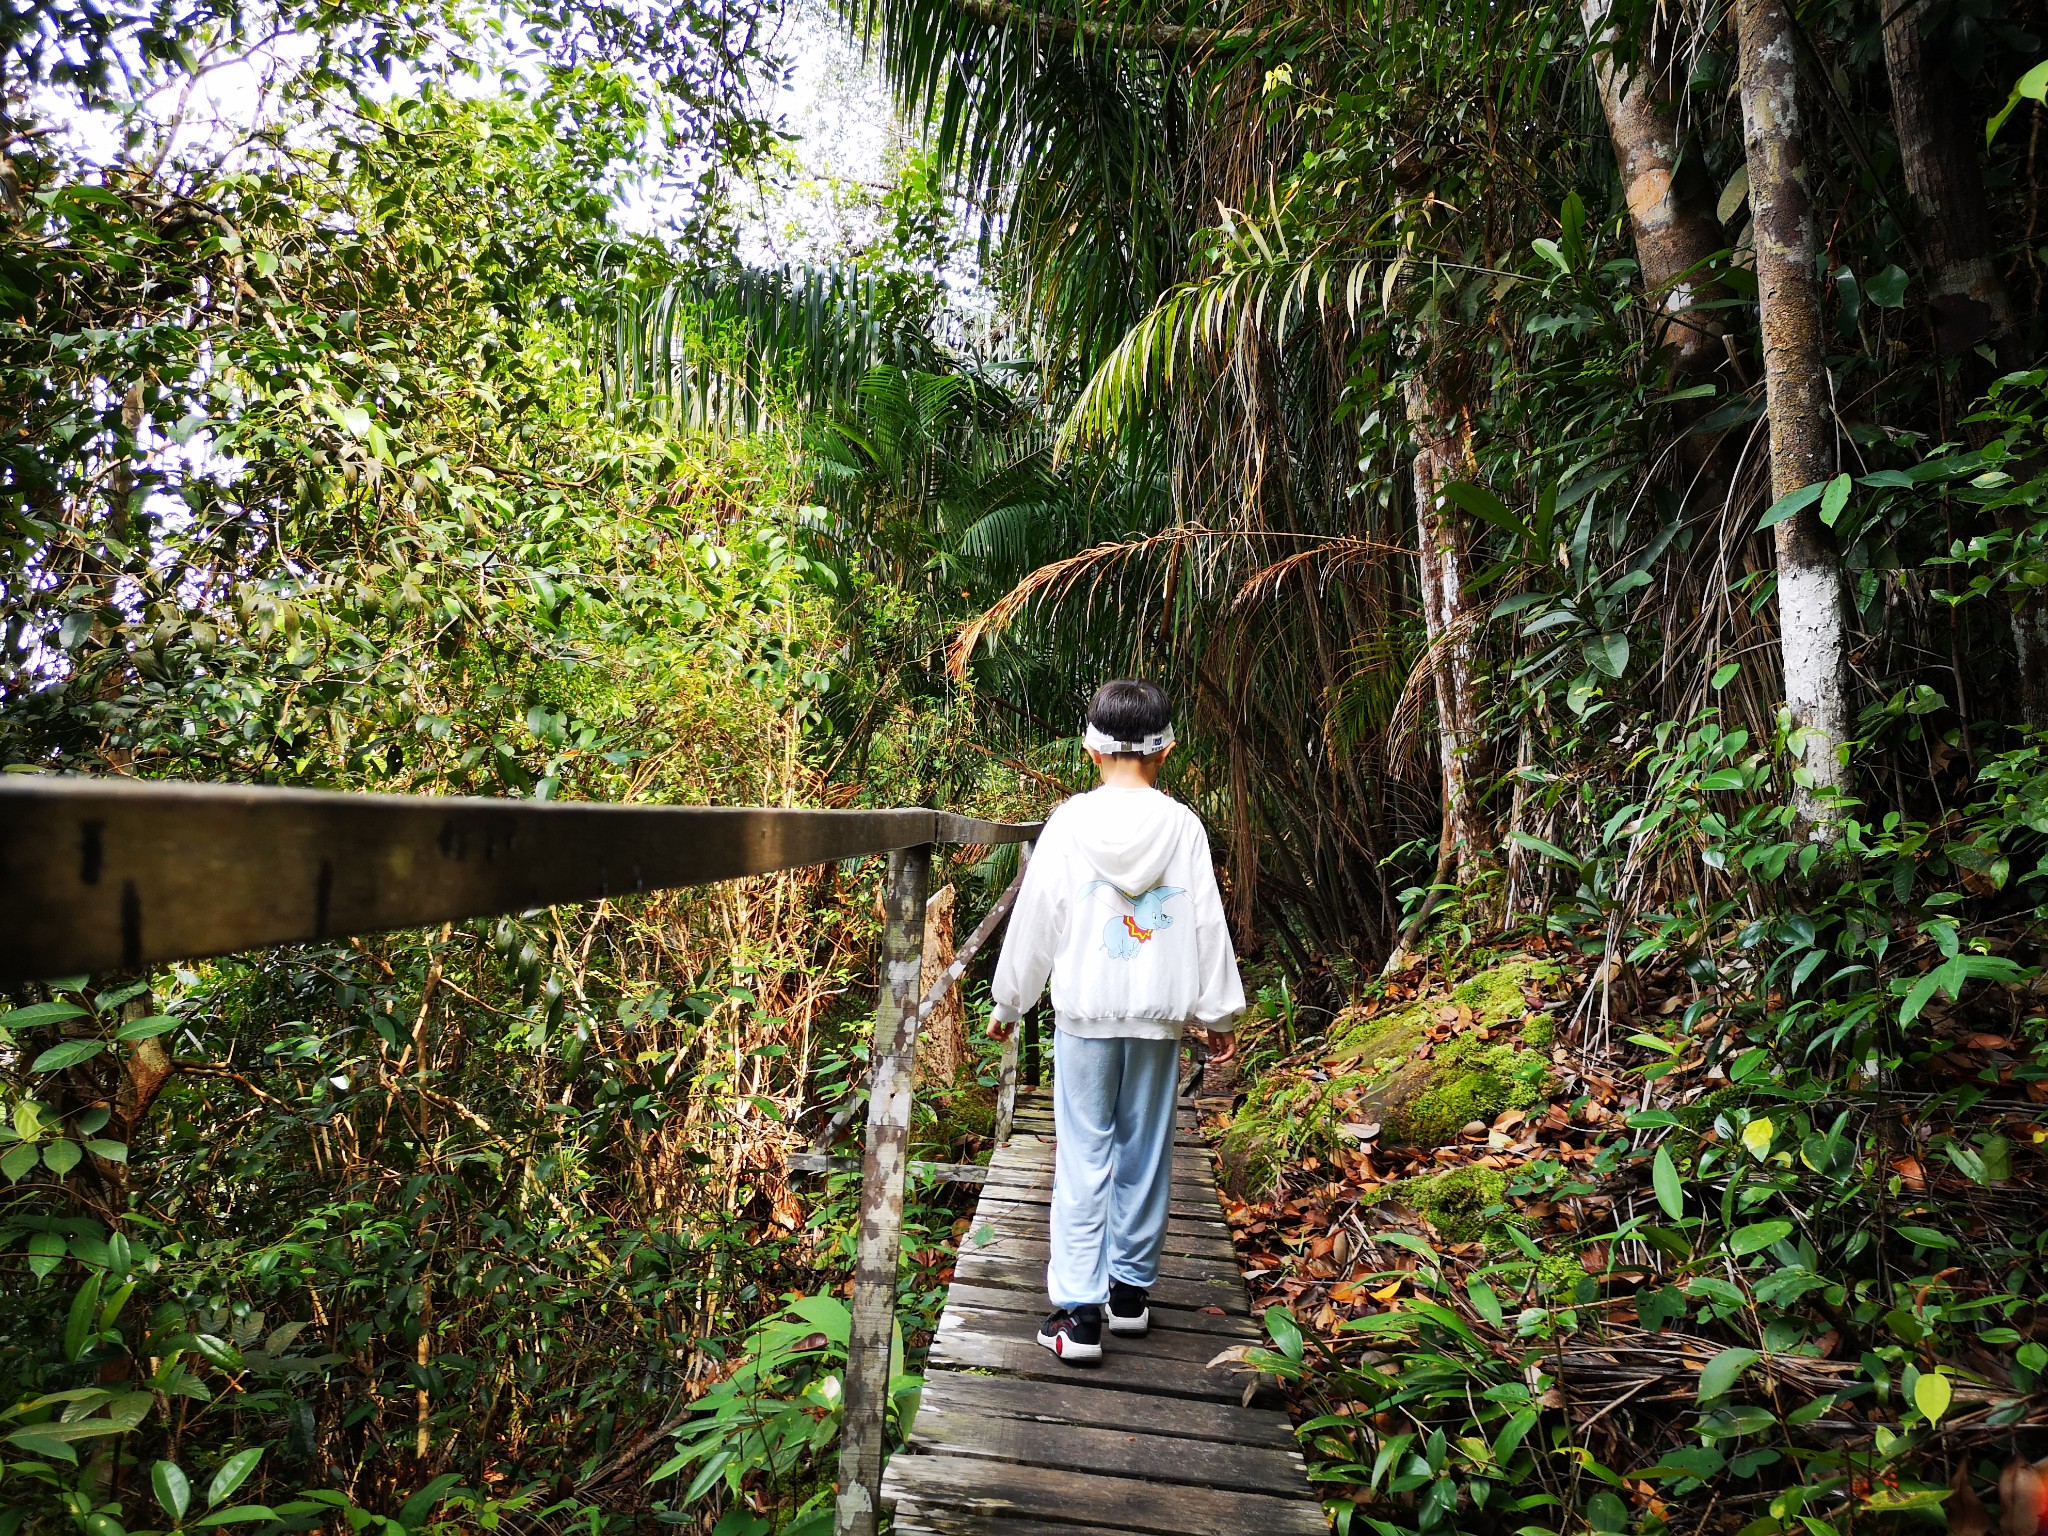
[[1113, 1169]]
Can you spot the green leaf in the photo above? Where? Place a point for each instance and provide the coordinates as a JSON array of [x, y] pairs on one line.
[[1791, 503], [37, 1440], [1757, 1135], [112, 1151], [37, 1014], [1664, 1179], [173, 1489], [1548, 850], [1932, 1394], [69, 1054], [1758, 1236], [1926, 1237], [79, 1328], [1608, 653], [1285, 1331], [45, 1250], [1724, 778], [1723, 1371], [1834, 499], [60, 1157], [145, 1029], [1485, 506], [1887, 290], [1548, 250], [241, 1514], [1485, 1301], [2032, 86], [1723, 676], [18, 1160], [233, 1473]]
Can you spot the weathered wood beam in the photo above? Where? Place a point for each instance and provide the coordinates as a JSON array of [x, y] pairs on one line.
[[104, 873], [864, 1432]]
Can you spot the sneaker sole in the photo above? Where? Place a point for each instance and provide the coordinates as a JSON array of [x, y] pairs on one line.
[[1131, 1327], [1068, 1349]]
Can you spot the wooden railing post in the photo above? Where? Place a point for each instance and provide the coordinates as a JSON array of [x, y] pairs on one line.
[[1006, 1074], [884, 1165]]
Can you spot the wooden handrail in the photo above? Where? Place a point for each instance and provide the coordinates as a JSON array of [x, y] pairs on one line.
[[101, 873]]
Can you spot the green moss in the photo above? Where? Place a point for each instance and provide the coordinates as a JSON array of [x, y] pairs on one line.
[[1465, 1205], [1285, 1120], [1495, 995], [1473, 1080], [1558, 1276]]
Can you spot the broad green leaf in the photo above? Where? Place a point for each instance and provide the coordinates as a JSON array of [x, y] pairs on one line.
[[1485, 1301], [1664, 1179], [112, 1151], [1932, 1394], [1608, 653], [1724, 778], [1548, 250], [173, 1489], [1548, 850], [1887, 290], [1758, 1236], [37, 1440], [80, 1328], [45, 1250], [1834, 499], [60, 1157], [1792, 503], [1723, 1371], [69, 1054], [233, 1473], [41, 1013], [18, 1160], [1926, 1237], [1723, 676], [2032, 86], [1485, 506], [240, 1514], [144, 1029]]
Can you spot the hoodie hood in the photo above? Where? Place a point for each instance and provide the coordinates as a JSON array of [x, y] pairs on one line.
[[1128, 835]]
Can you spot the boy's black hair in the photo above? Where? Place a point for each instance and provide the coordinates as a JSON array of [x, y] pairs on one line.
[[1129, 709]]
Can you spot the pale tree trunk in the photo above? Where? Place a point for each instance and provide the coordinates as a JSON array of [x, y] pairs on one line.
[[1674, 226], [1443, 453], [1812, 624], [1971, 304]]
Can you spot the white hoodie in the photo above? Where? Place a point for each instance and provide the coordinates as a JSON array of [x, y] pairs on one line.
[[1120, 907]]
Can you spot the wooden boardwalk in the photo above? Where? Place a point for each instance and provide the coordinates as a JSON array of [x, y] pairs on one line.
[[1010, 1441]]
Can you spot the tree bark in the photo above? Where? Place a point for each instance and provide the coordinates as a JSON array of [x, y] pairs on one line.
[[1674, 226], [1938, 154], [1812, 623], [1971, 304], [1443, 453]]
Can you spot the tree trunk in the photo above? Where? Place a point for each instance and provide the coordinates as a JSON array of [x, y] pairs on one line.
[[1971, 304], [1812, 624], [1938, 153], [1443, 453], [1675, 228]]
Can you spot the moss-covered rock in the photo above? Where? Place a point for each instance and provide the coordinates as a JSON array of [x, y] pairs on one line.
[[1372, 1073], [1464, 1205]]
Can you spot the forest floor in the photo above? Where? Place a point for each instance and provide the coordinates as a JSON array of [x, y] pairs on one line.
[[1456, 1194]]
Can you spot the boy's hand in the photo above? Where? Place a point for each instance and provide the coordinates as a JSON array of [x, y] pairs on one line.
[[999, 1031], [1222, 1045]]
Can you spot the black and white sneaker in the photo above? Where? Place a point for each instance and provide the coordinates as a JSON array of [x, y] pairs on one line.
[[1074, 1334], [1129, 1314]]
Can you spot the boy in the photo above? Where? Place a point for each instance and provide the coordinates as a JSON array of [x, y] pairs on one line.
[[1120, 908]]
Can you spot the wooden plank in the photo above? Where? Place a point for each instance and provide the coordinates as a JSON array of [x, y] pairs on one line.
[[1070, 1400], [1195, 1207], [1029, 1223], [973, 1486], [1172, 1290], [1159, 1344], [1031, 1306], [1004, 1203], [98, 874], [1110, 1452], [1117, 1370], [872, 1325], [1038, 1251]]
